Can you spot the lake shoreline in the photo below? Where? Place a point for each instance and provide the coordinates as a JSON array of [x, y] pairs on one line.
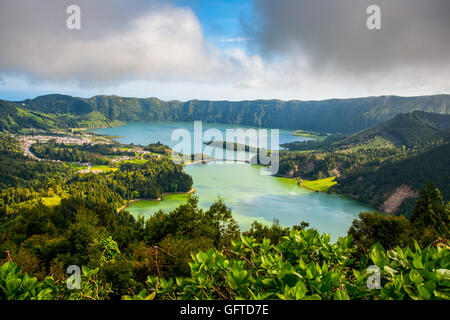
[[250, 193], [155, 200]]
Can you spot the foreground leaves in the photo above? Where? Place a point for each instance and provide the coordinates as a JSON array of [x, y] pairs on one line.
[[306, 265]]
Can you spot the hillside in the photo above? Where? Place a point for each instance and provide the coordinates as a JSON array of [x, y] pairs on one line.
[[14, 119], [414, 129], [385, 165], [389, 185], [333, 116], [17, 117]]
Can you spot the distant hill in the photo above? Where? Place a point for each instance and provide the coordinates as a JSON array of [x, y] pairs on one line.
[[409, 129], [14, 119], [414, 129], [57, 103], [330, 116]]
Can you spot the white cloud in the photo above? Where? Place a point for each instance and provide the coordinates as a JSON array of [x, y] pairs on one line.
[[163, 43]]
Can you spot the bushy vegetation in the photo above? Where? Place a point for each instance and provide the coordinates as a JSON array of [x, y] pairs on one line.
[[159, 148], [94, 154], [24, 182], [121, 250], [305, 266]]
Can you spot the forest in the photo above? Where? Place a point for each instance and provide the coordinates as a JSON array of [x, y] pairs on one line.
[[94, 154]]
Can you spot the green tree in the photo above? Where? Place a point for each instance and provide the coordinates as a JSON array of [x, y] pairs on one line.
[[372, 227], [222, 227], [431, 215]]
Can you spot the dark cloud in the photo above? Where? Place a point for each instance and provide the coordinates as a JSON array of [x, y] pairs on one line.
[[332, 35], [48, 17]]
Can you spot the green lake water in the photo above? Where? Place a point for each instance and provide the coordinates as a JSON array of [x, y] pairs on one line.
[[248, 190]]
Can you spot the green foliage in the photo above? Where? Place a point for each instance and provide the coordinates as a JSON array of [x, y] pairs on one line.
[[190, 221], [17, 286], [110, 250], [374, 227], [158, 148], [304, 265], [429, 222], [274, 233], [431, 217], [379, 181], [117, 251], [93, 154], [91, 288], [417, 275], [142, 295]]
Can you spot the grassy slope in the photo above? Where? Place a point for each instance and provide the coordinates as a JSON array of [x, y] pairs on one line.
[[321, 185], [51, 201]]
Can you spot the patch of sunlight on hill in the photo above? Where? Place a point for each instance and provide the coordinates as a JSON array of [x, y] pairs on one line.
[[321, 185]]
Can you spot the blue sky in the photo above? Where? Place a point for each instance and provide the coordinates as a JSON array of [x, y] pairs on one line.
[[221, 19]]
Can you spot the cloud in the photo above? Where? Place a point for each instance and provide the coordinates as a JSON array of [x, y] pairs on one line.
[[331, 37], [118, 41], [291, 49]]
